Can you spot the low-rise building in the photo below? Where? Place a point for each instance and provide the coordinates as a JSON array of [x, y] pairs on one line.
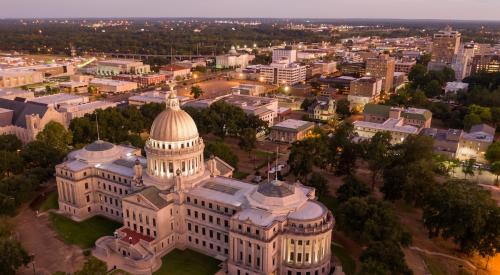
[[153, 97], [264, 108], [326, 67], [399, 122], [473, 144], [118, 66], [248, 89], [460, 144], [173, 71], [455, 87], [322, 108], [105, 85], [12, 93], [404, 66], [79, 110], [17, 77], [57, 100], [342, 83], [291, 130], [363, 91], [74, 86], [143, 80], [233, 59], [26, 119]]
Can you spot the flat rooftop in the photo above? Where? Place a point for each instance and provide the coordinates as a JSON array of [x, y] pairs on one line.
[[58, 98], [293, 124], [391, 125]]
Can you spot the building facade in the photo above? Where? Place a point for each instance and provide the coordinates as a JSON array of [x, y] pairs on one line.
[[399, 122], [363, 91], [283, 73], [291, 130], [382, 67], [174, 199], [445, 45]]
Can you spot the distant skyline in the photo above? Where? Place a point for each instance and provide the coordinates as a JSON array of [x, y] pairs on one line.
[[370, 9]]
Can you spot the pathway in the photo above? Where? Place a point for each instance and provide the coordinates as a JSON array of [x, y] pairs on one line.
[[51, 254], [471, 265]]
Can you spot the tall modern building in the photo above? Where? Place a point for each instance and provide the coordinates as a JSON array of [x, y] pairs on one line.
[[283, 73], [462, 61], [445, 45], [175, 199], [382, 66], [285, 53]]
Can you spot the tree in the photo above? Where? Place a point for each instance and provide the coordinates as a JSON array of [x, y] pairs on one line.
[[468, 167], [222, 151], [247, 139], [495, 169], [319, 182], [10, 143], [372, 267], [196, 91], [389, 255], [467, 214], [378, 154], [40, 154], [306, 103], [93, 266], [493, 152], [352, 187], [10, 162], [301, 160], [433, 89], [56, 136], [343, 108], [343, 152], [12, 256], [370, 220]]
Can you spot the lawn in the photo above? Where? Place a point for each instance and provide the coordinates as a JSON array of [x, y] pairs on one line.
[[50, 202], [84, 234], [348, 263], [187, 262]]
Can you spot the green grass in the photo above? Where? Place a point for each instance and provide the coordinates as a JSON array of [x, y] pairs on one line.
[[187, 262], [50, 202], [240, 175], [83, 234], [348, 263], [263, 154]]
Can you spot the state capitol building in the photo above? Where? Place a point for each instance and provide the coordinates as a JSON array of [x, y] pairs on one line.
[[175, 199]]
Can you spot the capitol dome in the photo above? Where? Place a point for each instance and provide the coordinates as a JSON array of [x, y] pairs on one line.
[[174, 147], [173, 124]]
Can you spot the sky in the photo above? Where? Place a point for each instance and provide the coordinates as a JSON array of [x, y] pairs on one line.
[[396, 9]]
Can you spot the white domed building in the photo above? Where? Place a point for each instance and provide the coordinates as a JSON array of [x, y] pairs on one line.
[[175, 199]]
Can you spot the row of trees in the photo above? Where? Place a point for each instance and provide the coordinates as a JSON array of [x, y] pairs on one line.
[[456, 210], [22, 170]]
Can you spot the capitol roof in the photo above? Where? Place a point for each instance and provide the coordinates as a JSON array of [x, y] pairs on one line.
[[173, 124]]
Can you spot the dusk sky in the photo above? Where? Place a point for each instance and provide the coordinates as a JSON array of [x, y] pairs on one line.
[[411, 9]]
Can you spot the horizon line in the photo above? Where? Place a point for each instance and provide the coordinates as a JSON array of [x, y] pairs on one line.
[[250, 17]]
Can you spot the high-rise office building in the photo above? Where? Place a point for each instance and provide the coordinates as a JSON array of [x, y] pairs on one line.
[[286, 53], [382, 66], [445, 45]]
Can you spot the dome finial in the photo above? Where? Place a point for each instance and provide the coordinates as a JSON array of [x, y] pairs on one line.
[[172, 100]]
